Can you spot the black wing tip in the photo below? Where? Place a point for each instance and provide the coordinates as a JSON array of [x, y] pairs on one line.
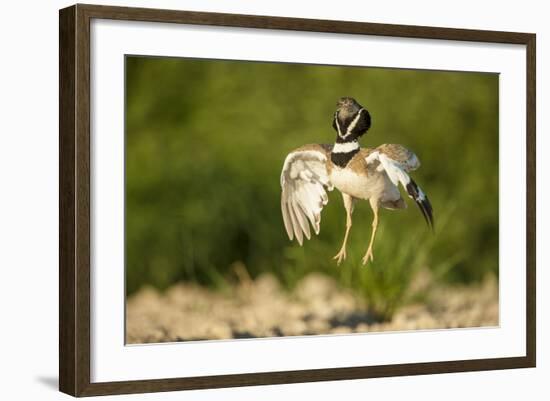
[[423, 204], [427, 210]]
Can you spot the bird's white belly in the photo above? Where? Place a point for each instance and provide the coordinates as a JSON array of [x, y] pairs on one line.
[[360, 186], [351, 183]]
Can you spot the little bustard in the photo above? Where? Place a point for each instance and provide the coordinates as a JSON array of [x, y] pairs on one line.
[[371, 174]]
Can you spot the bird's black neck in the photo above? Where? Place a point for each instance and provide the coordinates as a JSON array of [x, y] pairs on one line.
[[343, 152], [348, 131], [351, 127]]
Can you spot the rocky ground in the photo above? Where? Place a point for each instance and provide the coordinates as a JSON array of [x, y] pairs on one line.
[[260, 308]]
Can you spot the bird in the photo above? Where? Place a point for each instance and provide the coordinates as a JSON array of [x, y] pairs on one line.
[[358, 173]]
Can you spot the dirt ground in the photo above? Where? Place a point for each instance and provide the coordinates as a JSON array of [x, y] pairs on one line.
[[260, 308]]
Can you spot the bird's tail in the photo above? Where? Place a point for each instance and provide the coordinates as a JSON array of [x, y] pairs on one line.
[[422, 201]]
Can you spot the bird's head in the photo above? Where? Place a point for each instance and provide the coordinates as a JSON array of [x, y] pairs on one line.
[[351, 120]]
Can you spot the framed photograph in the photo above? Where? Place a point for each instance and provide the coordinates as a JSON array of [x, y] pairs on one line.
[[250, 200]]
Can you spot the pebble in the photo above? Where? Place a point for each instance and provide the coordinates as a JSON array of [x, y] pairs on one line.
[[316, 306]]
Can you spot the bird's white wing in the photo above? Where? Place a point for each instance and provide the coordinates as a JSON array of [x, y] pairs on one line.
[[304, 182], [396, 161]]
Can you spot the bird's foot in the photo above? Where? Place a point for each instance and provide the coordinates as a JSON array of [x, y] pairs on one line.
[[368, 256], [340, 256]]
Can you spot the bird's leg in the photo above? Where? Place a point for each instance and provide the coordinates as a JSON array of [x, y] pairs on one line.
[[348, 205], [369, 255]]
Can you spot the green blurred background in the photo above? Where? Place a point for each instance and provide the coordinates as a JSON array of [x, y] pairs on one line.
[[206, 141]]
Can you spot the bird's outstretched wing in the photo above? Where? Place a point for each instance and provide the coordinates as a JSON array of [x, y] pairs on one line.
[[397, 161], [304, 181]]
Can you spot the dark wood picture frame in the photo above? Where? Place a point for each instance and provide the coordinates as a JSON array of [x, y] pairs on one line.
[[74, 204]]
